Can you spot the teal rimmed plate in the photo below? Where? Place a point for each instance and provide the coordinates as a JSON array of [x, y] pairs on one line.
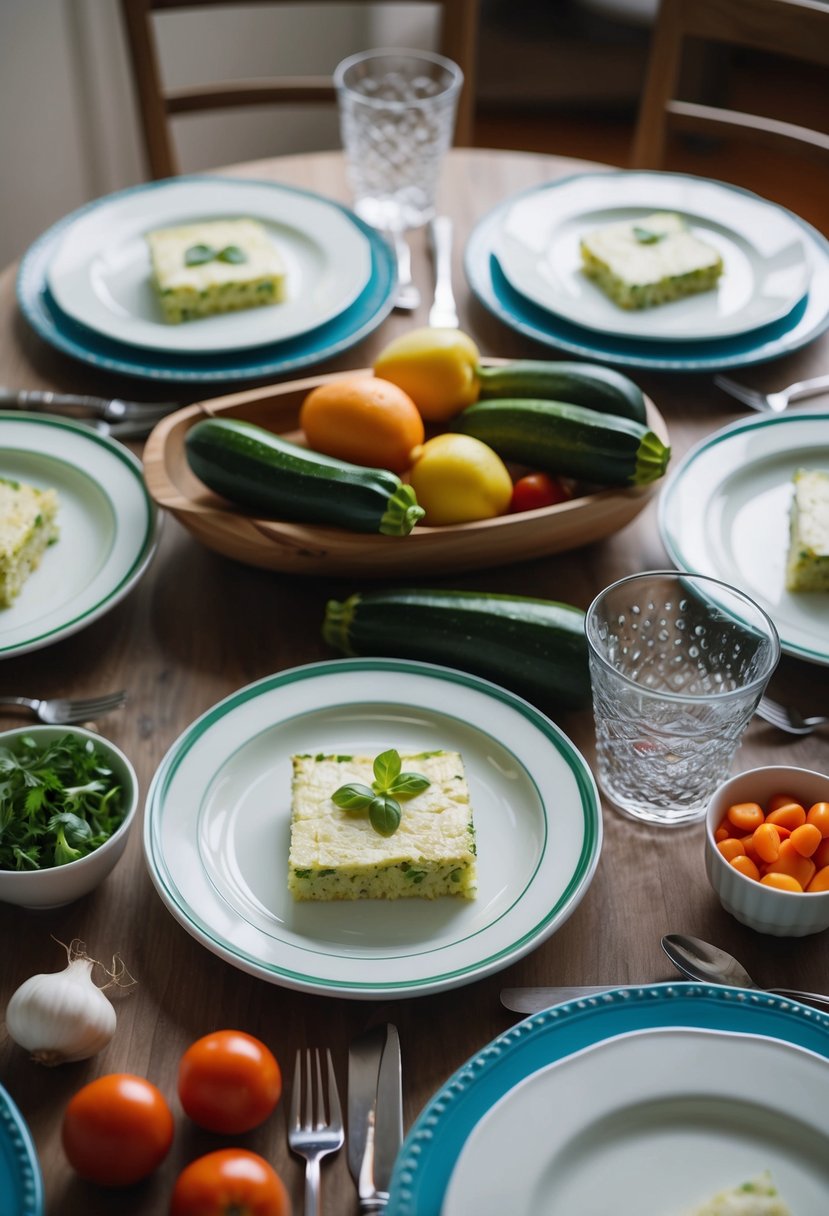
[[725, 512], [437, 1140], [807, 320], [217, 828], [21, 1185], [108, 527], [313, 346]]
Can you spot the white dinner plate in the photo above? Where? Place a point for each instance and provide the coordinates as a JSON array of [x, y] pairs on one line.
[[651, 1124], [217, 828], [100, 272], [108, 527], [766, 263], [725, 512]]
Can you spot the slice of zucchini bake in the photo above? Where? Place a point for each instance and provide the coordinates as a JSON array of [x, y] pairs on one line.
[[27, 528], [217, 266], [337, 854], [645, 262]]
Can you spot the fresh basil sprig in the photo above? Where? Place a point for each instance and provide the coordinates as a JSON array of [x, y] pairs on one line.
[[380, 800], [197, 255], [647, 236]]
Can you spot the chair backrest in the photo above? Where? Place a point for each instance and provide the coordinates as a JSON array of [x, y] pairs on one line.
[[795, 29], [157, 105]]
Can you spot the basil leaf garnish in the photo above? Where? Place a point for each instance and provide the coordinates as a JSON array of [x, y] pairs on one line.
[[386, 768], [384, 814], [197, 255], [353, 797], [646, 236], [409, 784], [232, 253]]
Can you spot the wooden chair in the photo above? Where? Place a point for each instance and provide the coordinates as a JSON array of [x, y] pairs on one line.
[[458, 41], [795, 29]]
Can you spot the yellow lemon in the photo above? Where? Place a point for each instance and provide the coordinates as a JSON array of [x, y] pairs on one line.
[[458, 478], [436, 367]]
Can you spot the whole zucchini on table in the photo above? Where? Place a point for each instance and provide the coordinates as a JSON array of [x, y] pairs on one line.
[[263, 472], [572, 440], [588, 384], [535, 647]]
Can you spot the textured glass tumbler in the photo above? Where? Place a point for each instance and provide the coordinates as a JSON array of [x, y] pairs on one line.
[[677, 664], [397, 115]]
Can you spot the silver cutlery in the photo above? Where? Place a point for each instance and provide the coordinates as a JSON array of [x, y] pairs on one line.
[[407, 295], [375, 1114], [443, 313], [532, 1000], [315, 1125], [709, 964], [80, 407], [59, 711], [773, 403], [787, 718]]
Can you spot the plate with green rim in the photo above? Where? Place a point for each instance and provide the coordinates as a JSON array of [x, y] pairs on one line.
[[217, 828], [108, 527], [725, 512]]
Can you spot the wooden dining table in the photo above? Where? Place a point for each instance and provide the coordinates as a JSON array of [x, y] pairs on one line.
[[199, 626]]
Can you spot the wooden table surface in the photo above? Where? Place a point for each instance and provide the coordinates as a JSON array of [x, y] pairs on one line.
[[198, 627]]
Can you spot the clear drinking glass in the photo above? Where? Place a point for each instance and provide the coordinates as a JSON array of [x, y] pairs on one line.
[[677, 663], [397, 115]]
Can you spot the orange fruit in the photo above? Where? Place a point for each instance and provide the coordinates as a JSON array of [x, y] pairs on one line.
[[364, 420]]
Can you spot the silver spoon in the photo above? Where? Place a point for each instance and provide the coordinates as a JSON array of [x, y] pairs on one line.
[[710, 965]]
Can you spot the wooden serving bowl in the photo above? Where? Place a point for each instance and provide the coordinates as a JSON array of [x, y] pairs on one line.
[[311, 549]]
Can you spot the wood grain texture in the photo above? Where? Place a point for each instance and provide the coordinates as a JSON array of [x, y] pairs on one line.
[[199, 626]]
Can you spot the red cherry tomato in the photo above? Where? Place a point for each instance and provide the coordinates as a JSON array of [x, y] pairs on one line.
[[537, 490], [231, 1182], [228, 1082], [117, 1130]]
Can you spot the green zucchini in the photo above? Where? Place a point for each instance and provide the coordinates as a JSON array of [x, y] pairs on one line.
[[263, 472], [535, 647], [588, 384], [567, 439]]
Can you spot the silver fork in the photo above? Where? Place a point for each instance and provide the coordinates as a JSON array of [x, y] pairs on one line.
[[407, 295], [312, 1133], [444, 312], [59, 711], [773, 403], [784, 717], [79, 406]]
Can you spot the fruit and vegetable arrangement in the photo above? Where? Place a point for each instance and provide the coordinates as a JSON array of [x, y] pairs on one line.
[[432, 434], [119, 1128]]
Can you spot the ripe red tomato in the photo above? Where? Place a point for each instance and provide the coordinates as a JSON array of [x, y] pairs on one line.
[[231, 1182], [228, 1082], [117, 1130], [537, 490]]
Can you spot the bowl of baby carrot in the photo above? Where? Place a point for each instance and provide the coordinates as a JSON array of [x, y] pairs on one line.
[[767, 849]]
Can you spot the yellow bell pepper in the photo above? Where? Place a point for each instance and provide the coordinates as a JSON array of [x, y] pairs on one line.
[[438, 368]]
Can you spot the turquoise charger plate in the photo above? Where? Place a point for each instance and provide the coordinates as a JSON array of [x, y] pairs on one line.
[[434, 1143], [351, 326], [21, 1185], [806, 321]]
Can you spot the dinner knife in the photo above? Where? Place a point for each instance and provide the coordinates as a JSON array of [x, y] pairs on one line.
[[531, 1000], [375, 1114], [79, 405]]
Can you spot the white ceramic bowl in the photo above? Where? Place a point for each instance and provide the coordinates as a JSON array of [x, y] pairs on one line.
[[780, 913], [49, 888]]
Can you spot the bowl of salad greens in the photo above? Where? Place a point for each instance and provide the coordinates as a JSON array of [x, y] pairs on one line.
[[68, 798]]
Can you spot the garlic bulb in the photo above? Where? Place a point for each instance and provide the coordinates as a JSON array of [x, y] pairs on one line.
[[61, 1016]]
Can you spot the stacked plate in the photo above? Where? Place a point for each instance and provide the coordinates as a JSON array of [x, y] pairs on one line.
[[523, 262], [85, 287], [640, 1100]]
